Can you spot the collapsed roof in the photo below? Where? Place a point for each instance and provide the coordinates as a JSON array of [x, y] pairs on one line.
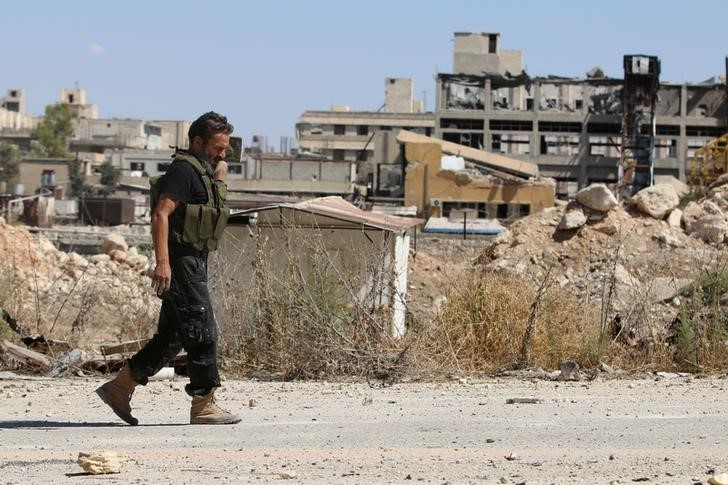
[[498, 164]]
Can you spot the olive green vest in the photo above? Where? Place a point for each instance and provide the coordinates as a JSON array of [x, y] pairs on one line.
[[199, 226]]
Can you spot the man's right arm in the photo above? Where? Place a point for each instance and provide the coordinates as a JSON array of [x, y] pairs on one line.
[[164, 208]]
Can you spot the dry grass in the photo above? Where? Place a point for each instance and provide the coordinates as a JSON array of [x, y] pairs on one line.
[[309, 314], [482, 327]]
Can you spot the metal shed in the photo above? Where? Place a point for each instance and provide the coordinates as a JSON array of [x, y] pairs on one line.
[[351, 240]]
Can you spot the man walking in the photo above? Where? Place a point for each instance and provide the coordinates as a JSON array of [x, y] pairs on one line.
[[188, 219]]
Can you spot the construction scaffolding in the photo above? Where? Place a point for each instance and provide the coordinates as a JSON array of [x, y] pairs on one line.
[[708, 163], [639, 96]]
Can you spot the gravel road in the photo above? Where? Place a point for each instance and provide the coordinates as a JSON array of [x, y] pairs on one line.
[[656, 430]]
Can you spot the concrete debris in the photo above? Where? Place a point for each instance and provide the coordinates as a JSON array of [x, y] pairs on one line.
[[66, 361], [524, 400], [114, 241], [675, 218], [681, 188], [665, 288], [606, 368], [101, 462], [573, 219], [19, 357], [597, 197], [627, 264], [656, 201], [720, 479], [12, 376], [711, 229], [569, 371], [83, 295]]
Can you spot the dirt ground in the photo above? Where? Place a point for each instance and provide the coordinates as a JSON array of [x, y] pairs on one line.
[[656, 429]]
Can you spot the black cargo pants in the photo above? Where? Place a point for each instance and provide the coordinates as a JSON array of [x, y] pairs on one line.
[[186, 320]]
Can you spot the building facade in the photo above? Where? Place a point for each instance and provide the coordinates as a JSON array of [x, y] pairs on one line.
[[75, 98], [13, 117], [570, 127], [341, 134]]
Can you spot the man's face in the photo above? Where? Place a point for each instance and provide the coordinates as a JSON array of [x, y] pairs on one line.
[[215, 149]]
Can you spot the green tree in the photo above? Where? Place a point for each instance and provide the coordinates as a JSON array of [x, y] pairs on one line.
[[78, 187], [55, 130], [110, 177], [9, 161]]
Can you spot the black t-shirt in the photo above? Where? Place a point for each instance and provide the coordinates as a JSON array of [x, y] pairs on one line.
[[184, 183]]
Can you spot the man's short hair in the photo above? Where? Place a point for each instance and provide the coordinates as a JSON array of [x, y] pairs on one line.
[[208, 125]]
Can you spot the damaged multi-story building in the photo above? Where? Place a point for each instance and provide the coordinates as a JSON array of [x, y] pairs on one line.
[[572, 128]]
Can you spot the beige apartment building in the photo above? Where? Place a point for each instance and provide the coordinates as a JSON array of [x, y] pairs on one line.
[[13, 118], [342, 134]]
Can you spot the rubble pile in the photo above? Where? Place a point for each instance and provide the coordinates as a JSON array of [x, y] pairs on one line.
[[637, 257], [99, 298]]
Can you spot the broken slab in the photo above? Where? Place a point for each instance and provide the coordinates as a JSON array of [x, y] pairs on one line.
[[123, 347], [22, 357], [664, 289], [675, 218]]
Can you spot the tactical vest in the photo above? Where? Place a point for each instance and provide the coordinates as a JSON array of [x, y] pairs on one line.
[[199, 226]]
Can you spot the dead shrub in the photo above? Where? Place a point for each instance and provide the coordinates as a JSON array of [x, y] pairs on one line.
[[309, 313], [700, 340], [482, 327]]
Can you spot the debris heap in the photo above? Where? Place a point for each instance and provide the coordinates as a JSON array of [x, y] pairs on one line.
[[635, 260], [84, 299]]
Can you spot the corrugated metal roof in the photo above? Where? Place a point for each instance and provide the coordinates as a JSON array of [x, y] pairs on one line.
[[337, 208]]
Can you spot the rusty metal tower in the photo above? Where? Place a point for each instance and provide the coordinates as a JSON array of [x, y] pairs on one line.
[[639, 96]]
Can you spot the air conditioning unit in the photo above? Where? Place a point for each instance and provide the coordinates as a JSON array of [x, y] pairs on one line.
[[435, 202]]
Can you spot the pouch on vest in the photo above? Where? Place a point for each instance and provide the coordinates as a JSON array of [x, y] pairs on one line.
[[221, 189]]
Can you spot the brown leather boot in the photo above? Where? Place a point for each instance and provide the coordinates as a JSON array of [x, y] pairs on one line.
[[205, 411], [117, 394]]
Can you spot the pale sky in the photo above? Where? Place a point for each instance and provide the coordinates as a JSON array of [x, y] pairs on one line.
[[263, 63]]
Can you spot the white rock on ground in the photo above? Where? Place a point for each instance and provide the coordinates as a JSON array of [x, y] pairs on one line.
[[77, 260], [597, 197], [656, 201], [101, 462], [665, 288], [626, 288], [721, 479], [100, 258], [675, 217], [690, 214], [573, 219], [681, 188], [114, 241], [710, 229]]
